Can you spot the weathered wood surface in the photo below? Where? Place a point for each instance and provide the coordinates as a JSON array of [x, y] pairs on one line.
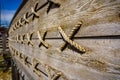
[[67, 40]]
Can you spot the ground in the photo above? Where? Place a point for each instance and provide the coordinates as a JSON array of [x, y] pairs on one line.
[[5, 74]]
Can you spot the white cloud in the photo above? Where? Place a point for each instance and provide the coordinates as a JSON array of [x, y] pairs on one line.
[[6, 16]]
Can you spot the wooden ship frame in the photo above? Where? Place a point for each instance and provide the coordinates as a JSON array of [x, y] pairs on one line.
[[66, 40]]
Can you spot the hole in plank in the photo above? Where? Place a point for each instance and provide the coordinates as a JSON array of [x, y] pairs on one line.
[[21, 56], [52, 5], [39, 68], [28, 60]]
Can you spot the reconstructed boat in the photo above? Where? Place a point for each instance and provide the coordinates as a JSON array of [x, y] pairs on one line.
[[66, 40]]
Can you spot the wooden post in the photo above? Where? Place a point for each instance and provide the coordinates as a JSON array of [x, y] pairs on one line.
[[4, 42]]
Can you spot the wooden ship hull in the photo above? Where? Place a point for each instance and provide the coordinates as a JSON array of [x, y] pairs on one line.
[[66, 40]]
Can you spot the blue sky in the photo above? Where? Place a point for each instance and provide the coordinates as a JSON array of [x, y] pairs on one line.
[[8, 9]]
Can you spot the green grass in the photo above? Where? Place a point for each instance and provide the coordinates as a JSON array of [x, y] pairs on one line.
[[2, 63], [1, 58]]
